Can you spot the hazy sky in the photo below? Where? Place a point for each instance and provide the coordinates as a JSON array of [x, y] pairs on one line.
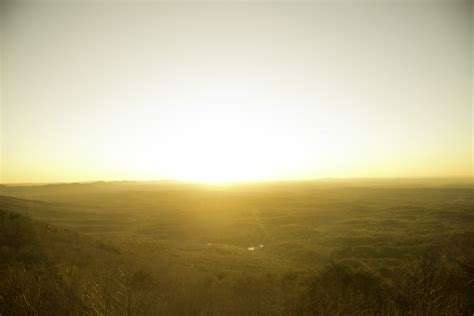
[[224, 91]]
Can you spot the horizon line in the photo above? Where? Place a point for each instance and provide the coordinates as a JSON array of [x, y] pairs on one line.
[[380, 178]]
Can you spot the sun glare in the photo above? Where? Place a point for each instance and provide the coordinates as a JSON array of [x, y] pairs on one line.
[[216, 133], [228, 147]]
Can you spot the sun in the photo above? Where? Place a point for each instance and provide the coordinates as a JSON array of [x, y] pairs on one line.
[[222, 152]]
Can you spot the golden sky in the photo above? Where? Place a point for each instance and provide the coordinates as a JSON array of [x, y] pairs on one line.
[[232, 91]]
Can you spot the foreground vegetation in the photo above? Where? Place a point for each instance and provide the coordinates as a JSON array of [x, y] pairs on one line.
[[289, 248]]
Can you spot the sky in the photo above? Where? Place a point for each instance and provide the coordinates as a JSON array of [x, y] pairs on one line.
[[235, 91]]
